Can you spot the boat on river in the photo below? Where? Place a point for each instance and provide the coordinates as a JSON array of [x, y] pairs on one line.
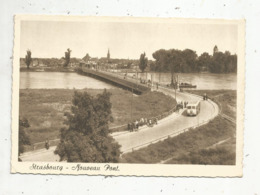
[[187, 85]]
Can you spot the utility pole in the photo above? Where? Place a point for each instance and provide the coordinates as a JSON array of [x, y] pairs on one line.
[[175, 93], [136, 78], [152, 80], [132, 105], [175, 86]]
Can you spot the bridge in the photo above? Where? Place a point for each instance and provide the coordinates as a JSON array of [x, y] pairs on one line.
[[119, 81]]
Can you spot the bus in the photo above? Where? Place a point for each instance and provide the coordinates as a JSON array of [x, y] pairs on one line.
[[193, 109]]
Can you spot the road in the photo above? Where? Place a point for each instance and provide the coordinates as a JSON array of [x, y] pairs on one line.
[[172, 125]]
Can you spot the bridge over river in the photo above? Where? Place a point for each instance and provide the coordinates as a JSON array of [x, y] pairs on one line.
[[171, 126], [116, 79]]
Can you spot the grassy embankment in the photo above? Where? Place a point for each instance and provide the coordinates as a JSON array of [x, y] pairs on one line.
[[213, 143], [45, 108]]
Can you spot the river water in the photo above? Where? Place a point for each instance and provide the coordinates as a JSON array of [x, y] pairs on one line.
[[202, 80], [52, 80], [59, 80]]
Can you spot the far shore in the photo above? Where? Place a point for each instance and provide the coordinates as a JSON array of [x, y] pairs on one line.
[[62, 69], [46, 69]]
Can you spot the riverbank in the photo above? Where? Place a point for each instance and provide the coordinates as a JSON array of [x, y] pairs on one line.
[[46, 69], [213, 143], [45, 108]]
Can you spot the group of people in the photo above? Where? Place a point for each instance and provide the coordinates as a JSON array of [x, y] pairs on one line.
[[143, 81], [182, 104], [134, 126], [205, 97]]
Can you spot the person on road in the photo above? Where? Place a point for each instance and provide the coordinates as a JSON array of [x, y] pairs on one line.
[[156, 121], [47, 144], [133, 124], [129, 127], [150, 122], [205, 96], [136, 124], [141, 122]]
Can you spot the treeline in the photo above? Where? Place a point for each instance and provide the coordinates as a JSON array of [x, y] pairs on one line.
[[187, 61]]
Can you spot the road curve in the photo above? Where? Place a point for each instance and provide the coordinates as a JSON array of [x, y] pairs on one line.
[[172, 125]]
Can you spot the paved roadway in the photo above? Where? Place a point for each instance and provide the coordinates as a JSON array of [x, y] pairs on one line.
[[173, 124]]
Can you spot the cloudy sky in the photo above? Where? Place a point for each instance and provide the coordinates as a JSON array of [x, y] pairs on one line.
[[48, 39]]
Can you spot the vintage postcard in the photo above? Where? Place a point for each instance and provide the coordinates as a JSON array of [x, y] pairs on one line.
[[128, 96]]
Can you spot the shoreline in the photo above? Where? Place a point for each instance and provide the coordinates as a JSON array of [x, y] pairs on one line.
[[46, 69], [58, 69]]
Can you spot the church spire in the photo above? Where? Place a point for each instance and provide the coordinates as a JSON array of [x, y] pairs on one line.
[[108, 55]]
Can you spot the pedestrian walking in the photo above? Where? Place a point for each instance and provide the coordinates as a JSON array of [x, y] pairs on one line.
[[133, 124], [156, 121], [47, 145], [136, 124]]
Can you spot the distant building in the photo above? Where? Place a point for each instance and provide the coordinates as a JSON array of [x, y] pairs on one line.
[[215, 50]]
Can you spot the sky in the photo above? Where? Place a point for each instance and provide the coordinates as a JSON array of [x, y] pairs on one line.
[[50, 39]]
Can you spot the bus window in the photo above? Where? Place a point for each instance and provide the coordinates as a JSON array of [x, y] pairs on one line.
[[193, 107], [189, 107]]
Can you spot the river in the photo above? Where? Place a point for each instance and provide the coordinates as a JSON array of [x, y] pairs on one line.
[[52, 80], [59, 80], [203, 81]]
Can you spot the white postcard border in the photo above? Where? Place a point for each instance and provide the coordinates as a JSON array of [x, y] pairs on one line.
[[128, 169]]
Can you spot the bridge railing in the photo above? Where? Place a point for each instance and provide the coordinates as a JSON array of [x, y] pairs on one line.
[[117, 80]]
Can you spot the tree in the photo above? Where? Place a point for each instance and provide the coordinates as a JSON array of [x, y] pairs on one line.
[[129, 63], [189, 61], [67, 57], [28, 58], [143, 62], [204, 60], [87, 137], [86, 57], [175, 62], [161, 60], [152, 66], [23, 137]]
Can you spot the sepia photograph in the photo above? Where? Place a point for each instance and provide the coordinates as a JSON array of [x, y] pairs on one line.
[[128, 96]]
